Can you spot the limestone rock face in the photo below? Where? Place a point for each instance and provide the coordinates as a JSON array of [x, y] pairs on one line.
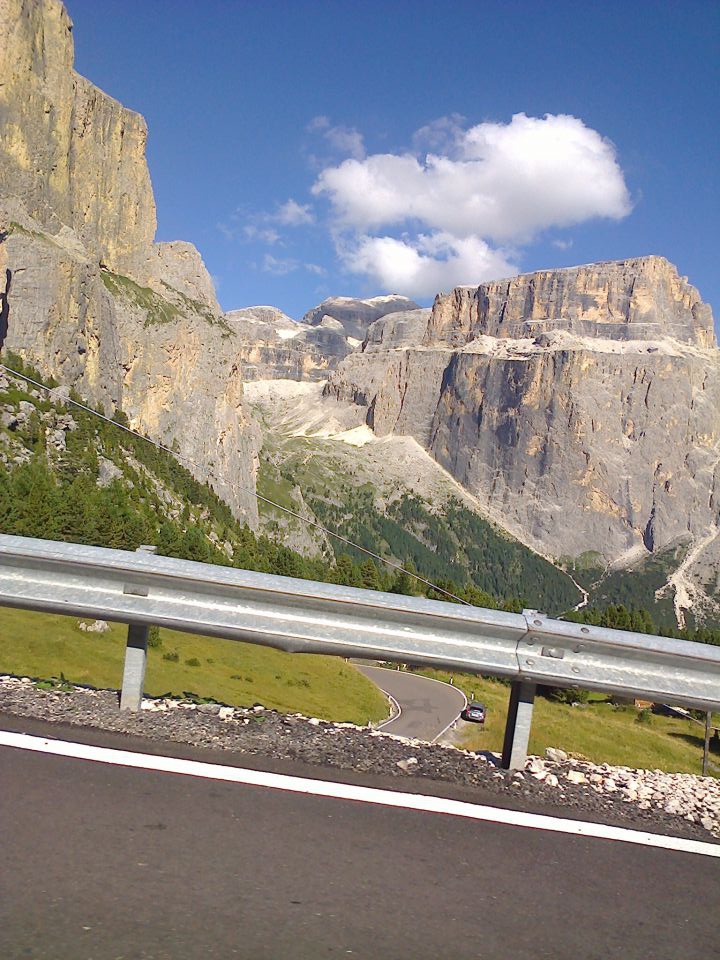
[[355, 315], [272, 346], [178, 264], [72, 156], [581, 406], [406, 328], [640, 299], [85, 296]]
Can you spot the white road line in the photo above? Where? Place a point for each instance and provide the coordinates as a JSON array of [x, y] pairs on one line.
[[398, 708], [344, 791]]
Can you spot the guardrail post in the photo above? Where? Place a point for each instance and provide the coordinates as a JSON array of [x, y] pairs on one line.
[[517, 729], [131, 693], [706, 748]]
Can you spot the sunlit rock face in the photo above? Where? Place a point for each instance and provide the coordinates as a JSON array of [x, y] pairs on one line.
[[580, 405], [87, 296], [638, 299], [275, 347]]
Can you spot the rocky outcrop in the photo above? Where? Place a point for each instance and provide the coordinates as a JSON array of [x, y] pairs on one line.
[[71, 157], [355, 315], [87, 297], [639, 299], [580, 406], [177, 265], [272, 346]]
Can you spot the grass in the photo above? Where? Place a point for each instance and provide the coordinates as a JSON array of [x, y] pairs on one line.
[[600, 732], [157, 310], [45, 645]]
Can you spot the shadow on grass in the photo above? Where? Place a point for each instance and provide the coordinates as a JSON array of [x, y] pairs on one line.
[[699, 741]]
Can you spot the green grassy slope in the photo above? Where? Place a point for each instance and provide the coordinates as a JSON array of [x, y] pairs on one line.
[[599, 732], [240, 674], [441, 538]]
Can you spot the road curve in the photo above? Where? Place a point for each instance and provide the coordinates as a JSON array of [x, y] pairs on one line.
[[427, 707]]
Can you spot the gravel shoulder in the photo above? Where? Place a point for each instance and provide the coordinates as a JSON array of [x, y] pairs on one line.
[[672, 804]]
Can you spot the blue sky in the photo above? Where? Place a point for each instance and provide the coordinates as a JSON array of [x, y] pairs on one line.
[[315, 148]]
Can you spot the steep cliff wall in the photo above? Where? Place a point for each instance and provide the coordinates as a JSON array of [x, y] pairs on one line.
[[71, 157], [272, 346], [582, 406], [88, 298], [356, 315], [639, 299]]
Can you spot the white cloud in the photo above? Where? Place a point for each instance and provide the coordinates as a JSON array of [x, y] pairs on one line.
[[315, 268], [345, 140], [281, 266], [426, 265], [505, 182], [440, 134], [562, 244], [268, 235], [492, 183], [293, 214], [278, 266]]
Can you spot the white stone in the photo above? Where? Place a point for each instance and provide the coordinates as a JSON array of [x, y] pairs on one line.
[[406, 764], [557, 756], [575, 776]]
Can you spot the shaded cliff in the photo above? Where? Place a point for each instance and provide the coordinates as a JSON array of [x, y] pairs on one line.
[[89, 298]]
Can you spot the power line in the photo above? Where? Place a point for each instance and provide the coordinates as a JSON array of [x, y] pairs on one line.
[[272, 503]]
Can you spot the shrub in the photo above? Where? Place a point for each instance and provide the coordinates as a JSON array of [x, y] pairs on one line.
[[192, 662], [568, 695], [173, 657]]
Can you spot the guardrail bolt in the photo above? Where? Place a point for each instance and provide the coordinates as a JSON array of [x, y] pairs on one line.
[[133, 681]]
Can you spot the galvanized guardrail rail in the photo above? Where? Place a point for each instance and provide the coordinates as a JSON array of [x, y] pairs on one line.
[[301, 616]]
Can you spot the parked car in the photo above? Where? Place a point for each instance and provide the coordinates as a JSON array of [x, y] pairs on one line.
[[474, 712]]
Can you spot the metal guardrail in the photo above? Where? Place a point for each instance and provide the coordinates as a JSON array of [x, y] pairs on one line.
[[303, 616]]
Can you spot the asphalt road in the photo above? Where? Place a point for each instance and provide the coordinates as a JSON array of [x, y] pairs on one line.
[[103, 862], [427, 706]]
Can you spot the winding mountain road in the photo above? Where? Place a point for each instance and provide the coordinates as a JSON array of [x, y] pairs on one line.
[[427, 707]]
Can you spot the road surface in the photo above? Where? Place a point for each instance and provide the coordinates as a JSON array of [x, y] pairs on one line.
[[105, 862], [427, 707]]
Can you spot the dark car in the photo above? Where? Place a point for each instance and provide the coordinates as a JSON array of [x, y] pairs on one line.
[[474, 712]]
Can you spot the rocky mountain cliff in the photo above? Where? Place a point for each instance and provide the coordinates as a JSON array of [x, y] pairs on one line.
[[87, 297], [273, 346], [580, 407], [577, 408], [356, 315]]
